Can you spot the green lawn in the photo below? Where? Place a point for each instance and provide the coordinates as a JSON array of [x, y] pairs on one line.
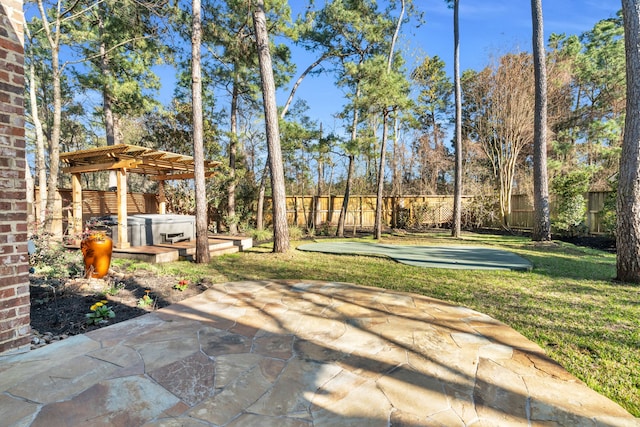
[[568, 304]]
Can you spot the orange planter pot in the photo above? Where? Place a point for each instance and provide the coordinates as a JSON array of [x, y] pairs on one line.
[[96, 250]]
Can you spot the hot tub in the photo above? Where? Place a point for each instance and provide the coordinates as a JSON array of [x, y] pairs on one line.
[[166, 228], [155, 229]]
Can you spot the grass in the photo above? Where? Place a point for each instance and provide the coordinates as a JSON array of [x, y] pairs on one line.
[[568, 304]]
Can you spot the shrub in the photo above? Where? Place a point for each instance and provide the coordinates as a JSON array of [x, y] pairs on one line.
[[608, 216], [260, 235], [570, 188], [326, 229], [295, 233], [423, 215], [480, 211], [50, 258]]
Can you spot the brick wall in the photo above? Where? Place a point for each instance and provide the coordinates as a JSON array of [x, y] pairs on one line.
[[14, 267]]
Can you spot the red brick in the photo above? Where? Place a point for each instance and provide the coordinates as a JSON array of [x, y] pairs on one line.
[[7, 249], [6, 335], [11, 323], [7, 292], [15, 343], [8, 314], [15, 216], [23, 300], [12, 281]]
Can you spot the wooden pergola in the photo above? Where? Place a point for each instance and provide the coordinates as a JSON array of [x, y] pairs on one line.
[[122, 159]]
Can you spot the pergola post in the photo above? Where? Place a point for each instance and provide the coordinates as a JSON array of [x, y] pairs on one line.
[[76, 204], [121, 196], [162, 199]]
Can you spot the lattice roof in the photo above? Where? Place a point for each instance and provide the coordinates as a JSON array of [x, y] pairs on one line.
[[159, 165]]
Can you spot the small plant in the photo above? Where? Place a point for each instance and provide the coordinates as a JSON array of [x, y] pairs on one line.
[[100, 313], [260, 235], [146, 300], [295, 233], [114, 289], [182, 285]]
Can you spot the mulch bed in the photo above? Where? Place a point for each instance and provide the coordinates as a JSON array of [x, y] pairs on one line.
[[59, 307]]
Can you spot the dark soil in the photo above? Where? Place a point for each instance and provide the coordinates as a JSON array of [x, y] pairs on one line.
[[603, 243], [59, 307]]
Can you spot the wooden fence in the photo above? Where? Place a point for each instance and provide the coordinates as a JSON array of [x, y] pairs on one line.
[[304, 211], [423, 211], [95, 204], [522, 211], [430, 211]]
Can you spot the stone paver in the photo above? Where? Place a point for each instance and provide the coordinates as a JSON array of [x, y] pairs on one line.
[[299, 354]]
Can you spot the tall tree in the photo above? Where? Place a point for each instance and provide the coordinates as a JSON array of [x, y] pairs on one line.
[[41, 169], [280, 226], [432, 108], [392, 99], [202, 221], [457, 192], [628, 203], [349, 32], [233, 67], [498, 114], [542, 221], [120, 42], [587, 127], [53, 32]]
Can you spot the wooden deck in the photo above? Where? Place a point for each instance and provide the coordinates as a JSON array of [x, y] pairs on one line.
[[218, 245]]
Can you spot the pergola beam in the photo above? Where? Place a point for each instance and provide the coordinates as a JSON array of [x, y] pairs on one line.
[[118, 164], [188, 175]]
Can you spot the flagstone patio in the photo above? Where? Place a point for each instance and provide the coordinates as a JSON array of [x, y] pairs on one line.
[[299, 353]]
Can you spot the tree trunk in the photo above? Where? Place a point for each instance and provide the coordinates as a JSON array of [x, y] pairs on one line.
[[54, 142], [261, 191], [628, 203], [542, 221], [345, 201], [280, 226], [233, 148], [377, 228], [316, 203], [40, 154], [109, 125], [202, 223], [396, 187], [457, 191], [350, 170], [298, 82]]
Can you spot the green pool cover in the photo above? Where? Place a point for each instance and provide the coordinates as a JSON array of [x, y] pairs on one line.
[[458, 257]]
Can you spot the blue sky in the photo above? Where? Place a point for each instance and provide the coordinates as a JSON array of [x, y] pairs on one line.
[[487, 28]]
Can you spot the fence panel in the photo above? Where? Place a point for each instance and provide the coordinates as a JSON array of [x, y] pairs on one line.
[[425, 211], [96, 203]]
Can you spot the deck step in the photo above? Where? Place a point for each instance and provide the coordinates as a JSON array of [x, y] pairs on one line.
[[168, 252], [150, 254], [243, 242]]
